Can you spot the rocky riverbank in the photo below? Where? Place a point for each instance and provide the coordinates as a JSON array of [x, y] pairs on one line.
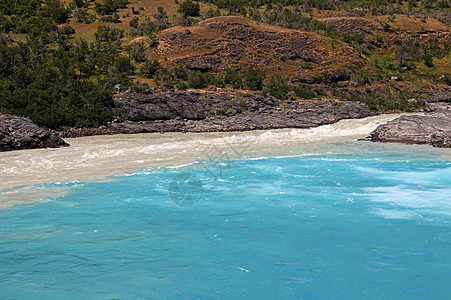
[[222, 110], [226, 110], [432, 128], [21, 133], [188, 111]]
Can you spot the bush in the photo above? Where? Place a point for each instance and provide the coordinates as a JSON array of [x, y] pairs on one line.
[[123, 65], [196, 80], [181, 86], [109, 6], [278, 88], [55, 10], [165, 78], [140, 87], [145, 28], [180, 73], [67, 30], [150, 68], [189, 8], [409, 52], [253, 79], [161, 17], [134, 22], [136, 51], [107, 33], [233, 78], [304, 91]]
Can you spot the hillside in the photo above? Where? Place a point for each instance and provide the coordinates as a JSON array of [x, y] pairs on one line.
[[219, 43], [390, 55], [237, 43]]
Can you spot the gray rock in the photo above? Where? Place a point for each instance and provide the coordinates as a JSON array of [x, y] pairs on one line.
[[21, 133], [432, 128], [443, 97], [224, 110]]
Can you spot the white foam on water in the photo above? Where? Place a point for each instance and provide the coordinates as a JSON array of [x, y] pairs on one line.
[[394, 214], [405, 202], [97, 157]]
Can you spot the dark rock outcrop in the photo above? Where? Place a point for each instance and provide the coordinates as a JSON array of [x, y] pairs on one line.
[[433, 128], [441, 97], [21, 133], [222, 110]]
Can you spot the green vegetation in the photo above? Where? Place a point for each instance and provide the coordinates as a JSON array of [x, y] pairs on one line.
[[376, 7], [391, 101], [53, 79], [280, 89], [189, 8], [109, 7], [50, 74]]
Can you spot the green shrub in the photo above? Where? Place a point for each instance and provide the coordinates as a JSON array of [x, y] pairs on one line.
[[278, 88], [304, 91], [233, 78], [196, 80], [136, 51], [180, 73], [253, 79], [150, 68], [181, 86], [189, 8]]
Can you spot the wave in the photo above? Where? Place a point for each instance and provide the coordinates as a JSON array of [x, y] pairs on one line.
[[98, 157]]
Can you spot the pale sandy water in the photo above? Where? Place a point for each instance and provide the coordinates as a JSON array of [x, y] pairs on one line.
[[96, 158]]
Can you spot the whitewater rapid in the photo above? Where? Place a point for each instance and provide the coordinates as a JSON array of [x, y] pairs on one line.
[[95, 158]]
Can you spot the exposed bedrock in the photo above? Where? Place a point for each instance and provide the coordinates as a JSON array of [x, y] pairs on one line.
[[217, 110], [21, 133], [433, 128]]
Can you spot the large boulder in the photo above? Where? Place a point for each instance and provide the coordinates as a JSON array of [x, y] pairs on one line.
[[432, 128], [21, 133]]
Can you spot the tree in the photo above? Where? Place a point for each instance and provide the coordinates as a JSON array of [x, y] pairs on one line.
[[189, 8], [161, 17], [233, 78], [278, 88], [55, 10], [123, 65], [106, 33], [253, 79], [196, 80], [134, 22], [150, 68], [136, 52]]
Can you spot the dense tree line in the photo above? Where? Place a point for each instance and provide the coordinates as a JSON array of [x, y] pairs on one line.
[[240, 6], [50, 77]]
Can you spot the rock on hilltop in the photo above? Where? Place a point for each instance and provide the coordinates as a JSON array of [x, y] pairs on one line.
[[21, 133]]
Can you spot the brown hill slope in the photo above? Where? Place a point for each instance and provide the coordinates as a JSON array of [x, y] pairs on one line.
[[237, 42]]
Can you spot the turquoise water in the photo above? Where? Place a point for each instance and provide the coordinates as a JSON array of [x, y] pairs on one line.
[[332, 226]]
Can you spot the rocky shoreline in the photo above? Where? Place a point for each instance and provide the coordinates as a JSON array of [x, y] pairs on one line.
[[218, 110], [21, 133], [189, 111], [432, 128]]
